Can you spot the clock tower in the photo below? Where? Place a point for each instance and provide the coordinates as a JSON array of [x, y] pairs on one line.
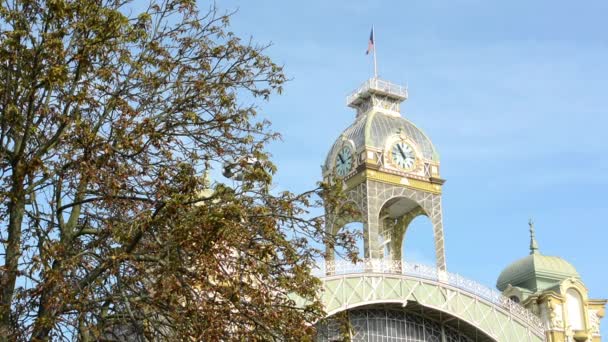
[[390, 170]]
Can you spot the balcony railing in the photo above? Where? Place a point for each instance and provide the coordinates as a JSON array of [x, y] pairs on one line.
[[380, 86], [471, 287]]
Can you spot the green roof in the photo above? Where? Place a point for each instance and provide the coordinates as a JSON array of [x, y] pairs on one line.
[[536, 272]]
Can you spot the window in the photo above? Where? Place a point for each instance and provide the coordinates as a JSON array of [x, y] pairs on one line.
[[574, 304]]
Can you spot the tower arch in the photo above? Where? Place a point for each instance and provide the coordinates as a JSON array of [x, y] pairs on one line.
[[417, 244], [334, 223], [355, 229], [396, 214]]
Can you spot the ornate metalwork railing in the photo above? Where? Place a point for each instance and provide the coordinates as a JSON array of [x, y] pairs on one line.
[[378, 85], [343, 267]]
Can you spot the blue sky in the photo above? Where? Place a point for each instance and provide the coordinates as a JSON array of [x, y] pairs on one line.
[[513, 95]]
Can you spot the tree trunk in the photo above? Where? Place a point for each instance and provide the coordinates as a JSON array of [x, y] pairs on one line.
[[43, 325], [16, 209]]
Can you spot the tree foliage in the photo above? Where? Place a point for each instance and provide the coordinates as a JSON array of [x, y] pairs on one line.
[[110, 116]]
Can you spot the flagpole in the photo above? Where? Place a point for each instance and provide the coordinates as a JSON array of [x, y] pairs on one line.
[[375, 64]]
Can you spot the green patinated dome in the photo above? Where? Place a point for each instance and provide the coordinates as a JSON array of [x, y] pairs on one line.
[[536, 272]]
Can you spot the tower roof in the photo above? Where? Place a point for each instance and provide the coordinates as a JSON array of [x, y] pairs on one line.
[[536, 272], [374, 128], [375, 124]]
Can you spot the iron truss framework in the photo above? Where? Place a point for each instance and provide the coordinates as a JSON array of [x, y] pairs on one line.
[[379, 281]]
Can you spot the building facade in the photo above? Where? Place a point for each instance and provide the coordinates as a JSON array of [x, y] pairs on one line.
[[391, 174], [551, 288]]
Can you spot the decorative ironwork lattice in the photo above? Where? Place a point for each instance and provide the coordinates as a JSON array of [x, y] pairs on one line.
[[387, 325], [369, 198], [341, 267]]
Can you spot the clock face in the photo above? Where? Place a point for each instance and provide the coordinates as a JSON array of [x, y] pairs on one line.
[[344, 161], [403, 155]]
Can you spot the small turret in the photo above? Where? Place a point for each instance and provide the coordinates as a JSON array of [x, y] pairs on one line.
[[551, 287]]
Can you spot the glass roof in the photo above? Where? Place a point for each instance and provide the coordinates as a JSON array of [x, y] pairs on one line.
[[375, 128]]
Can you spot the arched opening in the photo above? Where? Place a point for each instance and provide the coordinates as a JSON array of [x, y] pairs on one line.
[[419, 242], [355, 230], [401, 216], [574, 304], [395, 216], [345, 229]]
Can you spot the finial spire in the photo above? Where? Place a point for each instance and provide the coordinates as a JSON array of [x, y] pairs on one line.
[[533, 243]]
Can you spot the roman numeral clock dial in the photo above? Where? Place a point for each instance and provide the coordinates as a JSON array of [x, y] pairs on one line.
[[344, 161], [403, 156]]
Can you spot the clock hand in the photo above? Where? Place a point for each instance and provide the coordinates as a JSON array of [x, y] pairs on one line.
[[401, 152], [340, 157]]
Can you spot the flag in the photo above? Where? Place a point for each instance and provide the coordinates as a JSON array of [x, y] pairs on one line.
[[370, 43]]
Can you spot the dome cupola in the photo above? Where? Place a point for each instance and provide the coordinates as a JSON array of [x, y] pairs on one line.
[[376, 128], [536, 272], [551, 288], [380, 138]]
